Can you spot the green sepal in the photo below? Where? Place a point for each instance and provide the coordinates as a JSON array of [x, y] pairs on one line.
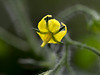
[[60, 29], [39, 31]]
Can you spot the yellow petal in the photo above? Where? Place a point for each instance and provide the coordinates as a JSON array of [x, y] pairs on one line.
[[46, 16], [52, 41], [42, 24], [61, 34], [53, 25], [45, 38], [41, 35]]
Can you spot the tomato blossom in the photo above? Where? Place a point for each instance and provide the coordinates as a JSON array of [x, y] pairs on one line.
[[50, 30]]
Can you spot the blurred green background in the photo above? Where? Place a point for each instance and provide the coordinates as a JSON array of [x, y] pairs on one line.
[[17, 59]]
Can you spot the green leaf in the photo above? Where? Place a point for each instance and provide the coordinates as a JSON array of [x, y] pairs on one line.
[[94, 26], [83, 58]]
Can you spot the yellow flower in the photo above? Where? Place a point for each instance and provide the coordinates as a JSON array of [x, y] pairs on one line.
[[50, 30]]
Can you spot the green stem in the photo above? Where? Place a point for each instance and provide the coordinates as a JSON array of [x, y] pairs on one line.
[[67, 62], [70, 69], [62, 62], [76, 43], [59, 65]]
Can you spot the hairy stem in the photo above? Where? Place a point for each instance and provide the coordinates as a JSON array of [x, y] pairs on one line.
[[76, 43], [67, 62], [62, 62], [59, 65]]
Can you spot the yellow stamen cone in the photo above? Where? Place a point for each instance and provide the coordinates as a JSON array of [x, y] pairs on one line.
[[46, 39], [43, 44]]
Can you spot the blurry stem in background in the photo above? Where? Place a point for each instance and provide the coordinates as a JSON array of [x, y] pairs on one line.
[[13, 40], [32, 63], [16, 7], [78, 44], [69, 12]]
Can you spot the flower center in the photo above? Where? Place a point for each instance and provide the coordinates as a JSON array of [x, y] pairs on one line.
[[47, 38]]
